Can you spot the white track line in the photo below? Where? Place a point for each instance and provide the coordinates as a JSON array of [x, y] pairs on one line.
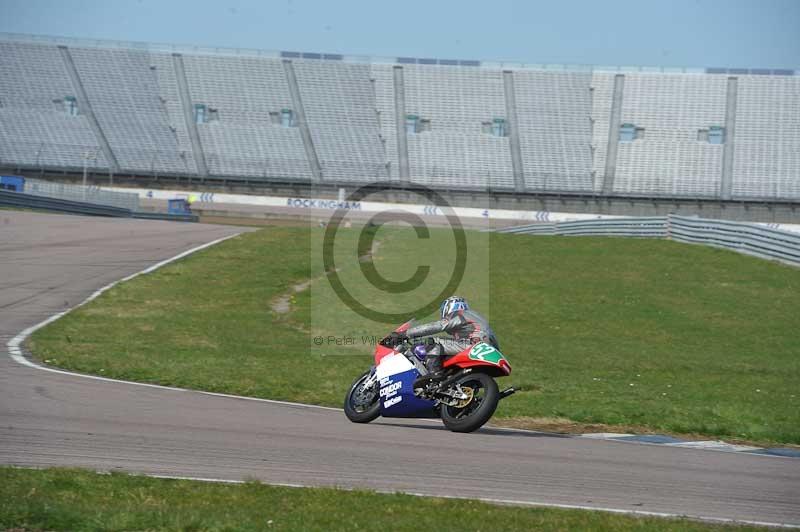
[[510, 502], [15, 344], [15, 351]]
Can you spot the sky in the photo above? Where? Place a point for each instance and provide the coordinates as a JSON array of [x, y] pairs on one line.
[[671, 33]]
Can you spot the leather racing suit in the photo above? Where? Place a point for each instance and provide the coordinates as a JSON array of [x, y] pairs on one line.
[[465, 328]]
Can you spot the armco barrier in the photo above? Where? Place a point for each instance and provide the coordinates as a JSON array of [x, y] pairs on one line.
[[29, 201], [82, 194], [642, 227], [165, 216], [652, 227], [532, 229], [746, 238]]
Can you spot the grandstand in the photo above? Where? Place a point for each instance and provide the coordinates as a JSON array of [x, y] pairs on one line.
[[288, 117]]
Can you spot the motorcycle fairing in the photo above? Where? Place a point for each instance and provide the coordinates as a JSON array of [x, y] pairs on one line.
[[396, 376], [480, 354], [383, 351]]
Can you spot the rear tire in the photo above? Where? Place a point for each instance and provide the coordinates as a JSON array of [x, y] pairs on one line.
[[356, 410], [473, 416]]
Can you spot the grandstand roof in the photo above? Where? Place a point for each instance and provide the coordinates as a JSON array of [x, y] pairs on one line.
[[250, 52]]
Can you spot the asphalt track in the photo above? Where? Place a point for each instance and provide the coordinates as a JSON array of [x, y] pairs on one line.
[[50, 262]]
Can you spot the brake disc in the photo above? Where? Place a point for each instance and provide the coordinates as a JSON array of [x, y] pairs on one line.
[[363, 395], [469, 392]]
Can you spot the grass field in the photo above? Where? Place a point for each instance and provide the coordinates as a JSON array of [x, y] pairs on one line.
[[74, 500], [648, 334]]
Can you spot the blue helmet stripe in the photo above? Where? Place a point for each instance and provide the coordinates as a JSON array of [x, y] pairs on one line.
[[451, 305]]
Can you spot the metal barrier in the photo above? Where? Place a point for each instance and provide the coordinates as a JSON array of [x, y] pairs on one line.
[[746, 238], [167, 216], [654, 226], [82, 194], [742, 237], [30, 201], [22, 200]]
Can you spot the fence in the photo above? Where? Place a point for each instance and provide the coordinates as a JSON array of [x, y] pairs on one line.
[[746, 238], [30, 201], [95, 195], [643, 227], [21, 200]]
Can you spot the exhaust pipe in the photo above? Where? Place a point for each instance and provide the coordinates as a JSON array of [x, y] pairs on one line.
[[508, 391], [420, 382], [447, 382]]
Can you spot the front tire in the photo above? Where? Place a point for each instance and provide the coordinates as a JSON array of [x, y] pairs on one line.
[[478, 411], [360, 405]]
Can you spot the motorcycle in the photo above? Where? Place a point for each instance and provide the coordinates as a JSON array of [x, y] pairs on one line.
[[464, 395]]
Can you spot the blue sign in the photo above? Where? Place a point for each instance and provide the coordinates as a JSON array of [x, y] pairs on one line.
[[12, 182]]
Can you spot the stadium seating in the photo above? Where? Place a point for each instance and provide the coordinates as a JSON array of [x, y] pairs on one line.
[[554, 113], [669, 159], [339, 103], [602, 90], [455, 151], [35, 128], [126, 99], [767, 155], [166, 78], [671, 139], [244, 140], [383, 86]]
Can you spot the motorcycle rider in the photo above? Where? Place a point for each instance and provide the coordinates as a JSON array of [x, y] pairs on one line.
[[464, 326]]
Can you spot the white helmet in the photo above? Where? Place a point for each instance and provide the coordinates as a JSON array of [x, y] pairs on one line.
[[451, 305]]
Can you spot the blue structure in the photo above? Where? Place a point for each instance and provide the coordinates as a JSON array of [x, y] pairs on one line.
[[12, 182], [178, 206]]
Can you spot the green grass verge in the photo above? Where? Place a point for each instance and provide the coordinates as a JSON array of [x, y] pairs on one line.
[[644, 333], [75, 500]]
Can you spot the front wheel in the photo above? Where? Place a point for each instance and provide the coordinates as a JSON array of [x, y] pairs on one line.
[[480, 408], [362, 405]]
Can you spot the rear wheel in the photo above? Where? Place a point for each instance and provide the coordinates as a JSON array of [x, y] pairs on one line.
[[362, 403], [472, 415]]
